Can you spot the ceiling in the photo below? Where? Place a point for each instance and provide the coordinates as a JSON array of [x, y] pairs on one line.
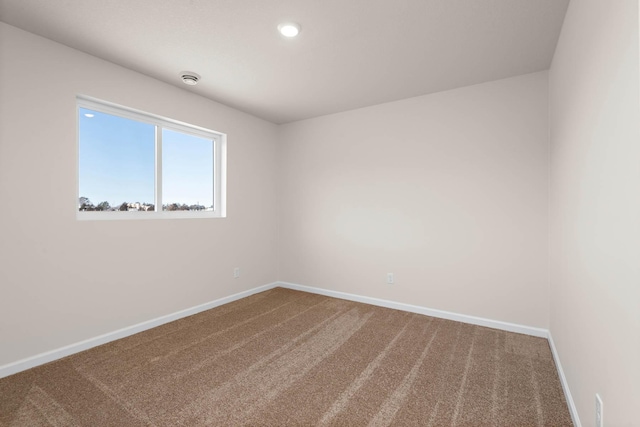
[[349, 54]]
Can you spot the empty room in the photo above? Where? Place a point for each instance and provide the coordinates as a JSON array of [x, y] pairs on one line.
[[298, 212]]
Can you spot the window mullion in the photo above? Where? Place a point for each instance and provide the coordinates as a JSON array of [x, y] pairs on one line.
[[158, 171]]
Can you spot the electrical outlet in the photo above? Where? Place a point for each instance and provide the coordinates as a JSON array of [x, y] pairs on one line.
[[236, 272], [390, 278], [599, 408]]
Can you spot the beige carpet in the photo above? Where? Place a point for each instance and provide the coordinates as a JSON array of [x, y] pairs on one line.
[[284, 357]]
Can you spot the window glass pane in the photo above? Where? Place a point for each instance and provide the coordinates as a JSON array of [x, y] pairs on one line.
[[187, 172], [116, 163]]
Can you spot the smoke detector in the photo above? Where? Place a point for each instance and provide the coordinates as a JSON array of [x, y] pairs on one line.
[[189, 78]]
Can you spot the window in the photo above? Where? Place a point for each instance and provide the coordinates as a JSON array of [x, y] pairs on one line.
[[133, 165]]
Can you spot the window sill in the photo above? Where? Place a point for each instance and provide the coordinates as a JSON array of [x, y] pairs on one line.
[[115, 215]]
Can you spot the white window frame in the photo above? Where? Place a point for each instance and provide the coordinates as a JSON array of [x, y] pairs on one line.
[[219, 163]]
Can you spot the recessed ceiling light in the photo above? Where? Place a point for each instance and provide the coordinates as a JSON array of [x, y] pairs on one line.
[[289, 29], [189, 78]]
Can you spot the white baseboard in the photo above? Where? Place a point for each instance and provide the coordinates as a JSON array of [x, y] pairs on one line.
[[565, 385], [479, 321], [59, 353]]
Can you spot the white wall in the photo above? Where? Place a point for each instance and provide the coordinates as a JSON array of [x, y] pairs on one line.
[[448, 191], [595, 207], [63, 280]]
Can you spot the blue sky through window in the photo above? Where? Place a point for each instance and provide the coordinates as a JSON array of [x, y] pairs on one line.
[[117, 162], [187, 169], [117, 159]]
